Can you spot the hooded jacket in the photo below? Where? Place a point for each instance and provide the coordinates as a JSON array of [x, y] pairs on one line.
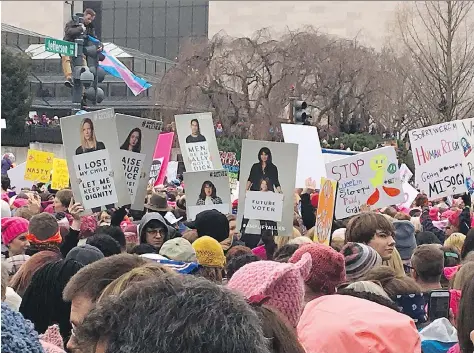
[[170, 234]]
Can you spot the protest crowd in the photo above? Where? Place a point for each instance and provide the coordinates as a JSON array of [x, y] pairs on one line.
[[287, 263]]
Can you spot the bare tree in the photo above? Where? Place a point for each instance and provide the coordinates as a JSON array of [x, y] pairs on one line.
[[437, 35]]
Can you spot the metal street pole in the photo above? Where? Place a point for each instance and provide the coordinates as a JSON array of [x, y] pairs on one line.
[[77, 89]]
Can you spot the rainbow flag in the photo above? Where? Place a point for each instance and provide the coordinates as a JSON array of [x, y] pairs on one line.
[[115, 68]]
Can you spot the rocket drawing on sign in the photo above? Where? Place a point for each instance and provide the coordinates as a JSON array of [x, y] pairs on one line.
[[378, 164]]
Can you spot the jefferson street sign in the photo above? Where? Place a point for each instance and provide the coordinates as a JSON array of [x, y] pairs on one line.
[[60, 47]]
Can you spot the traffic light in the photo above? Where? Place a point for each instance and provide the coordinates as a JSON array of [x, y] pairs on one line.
[[92, 92], [299, 113]]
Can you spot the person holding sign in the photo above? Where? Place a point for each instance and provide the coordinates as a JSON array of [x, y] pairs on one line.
[[208, 195], [133, 143], [89, 142], [195, 133]]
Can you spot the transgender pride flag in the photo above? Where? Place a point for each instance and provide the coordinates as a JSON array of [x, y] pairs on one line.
[[115, 68]]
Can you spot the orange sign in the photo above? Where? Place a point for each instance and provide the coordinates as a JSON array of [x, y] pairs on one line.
[[325, 214]]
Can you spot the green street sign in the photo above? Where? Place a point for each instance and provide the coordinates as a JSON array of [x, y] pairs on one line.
[[60, 47]]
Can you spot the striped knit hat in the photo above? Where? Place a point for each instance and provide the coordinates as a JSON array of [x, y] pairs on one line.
[[359, 259]]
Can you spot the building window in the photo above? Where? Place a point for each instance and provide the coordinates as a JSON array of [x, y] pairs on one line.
[[139, 65], [159, 46], [172, 21], [186, 21], [133, 23], [120, 23], [118, 89], [146, 22], [200, 20], [107, 23], [146, 45], [172, 47], [46, 90], [34, 87], [53, 66], [38, 66], [150, 67], [159, 22]]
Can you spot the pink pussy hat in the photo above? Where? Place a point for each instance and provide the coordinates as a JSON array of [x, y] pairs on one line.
[[345, 324], [282, 283]]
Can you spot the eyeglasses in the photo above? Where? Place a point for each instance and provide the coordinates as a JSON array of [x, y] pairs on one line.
[[154, 232]]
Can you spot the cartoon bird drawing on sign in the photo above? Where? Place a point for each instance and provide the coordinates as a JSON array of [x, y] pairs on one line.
[[379, 164]]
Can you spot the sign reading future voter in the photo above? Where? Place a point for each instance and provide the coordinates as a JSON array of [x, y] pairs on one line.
[[137, 139], [206, 191], [95, 168], [371, 178], [438, 160], [266, 187], [198, 142]]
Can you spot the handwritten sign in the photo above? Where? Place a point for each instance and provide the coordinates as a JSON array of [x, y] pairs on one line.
[[409, 194], [466, 141], [60, 176], [232, 165], [96, 182], [199, 156], [132, 165], [263, 205], [325, 213], [38, 166], [405, 173], [370, 178], [438, 157]]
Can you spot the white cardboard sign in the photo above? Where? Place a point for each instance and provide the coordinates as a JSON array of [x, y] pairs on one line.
[[466, 141], [438, 160], [263, 205], [371, 178]]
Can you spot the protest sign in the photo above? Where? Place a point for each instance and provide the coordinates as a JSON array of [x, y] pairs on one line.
[[266, 187], [38, 166], [60, 175], [405, 173], [161, 157], [370, 178], [438, 160], [325, 213], [206, 191], [95, 167], [155, 171], [137, 139], [198, 142], [409, 194], [310, 167], [172, 170], [465, 130], [232, 165], [17, 177]]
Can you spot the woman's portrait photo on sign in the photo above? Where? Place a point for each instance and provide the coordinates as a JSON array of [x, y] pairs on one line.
[[266, 185], [208, 195], [133, 143], [137, 138], [207, 191], [195, 135], [197, 141], [89, 141]]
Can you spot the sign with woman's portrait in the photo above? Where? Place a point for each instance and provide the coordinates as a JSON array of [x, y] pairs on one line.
[[266, 187], [91, 144], [198, 142], [137, 139], [206, 191]]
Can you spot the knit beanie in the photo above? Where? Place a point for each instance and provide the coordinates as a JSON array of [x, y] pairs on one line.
[[19, 203], [209, 252], [18, 334], [327, 270], [52, 341], [88, 226], [405, 238], [12, 227], [281, 283], [85, 254], [359, 259], [434, 214], [178, 249]]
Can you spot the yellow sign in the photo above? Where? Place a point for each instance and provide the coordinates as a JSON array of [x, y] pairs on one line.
[[325, 214], [60, 177], [38, 166]]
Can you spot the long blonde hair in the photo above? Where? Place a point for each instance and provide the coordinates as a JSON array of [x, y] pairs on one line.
[[83, 139]]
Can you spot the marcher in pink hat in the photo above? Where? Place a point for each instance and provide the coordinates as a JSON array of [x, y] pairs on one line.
[[14, 230], [281, 284]]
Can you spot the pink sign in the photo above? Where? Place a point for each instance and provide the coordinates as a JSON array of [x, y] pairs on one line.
[[163, 151]]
